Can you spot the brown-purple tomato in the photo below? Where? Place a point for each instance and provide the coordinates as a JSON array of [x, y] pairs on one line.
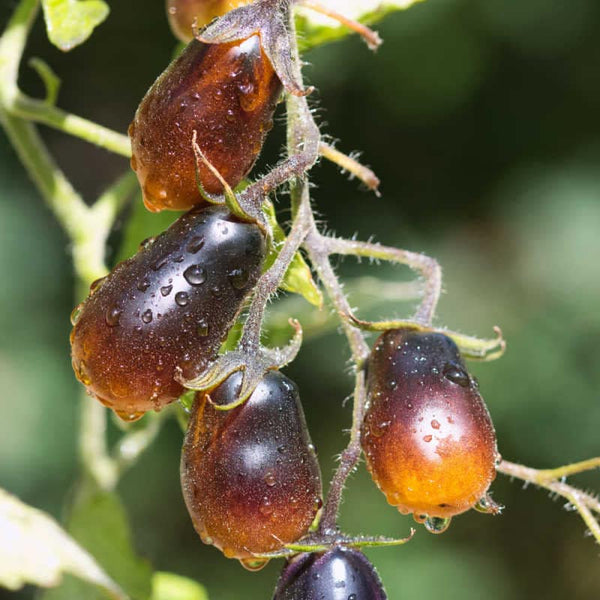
[[165, 310], [227, 94], [427, 435], [250, 476]]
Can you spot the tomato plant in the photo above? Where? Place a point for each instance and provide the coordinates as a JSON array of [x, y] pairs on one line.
[[183, 329]]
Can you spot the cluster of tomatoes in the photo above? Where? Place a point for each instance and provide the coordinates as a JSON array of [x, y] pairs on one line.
[[250, 476]]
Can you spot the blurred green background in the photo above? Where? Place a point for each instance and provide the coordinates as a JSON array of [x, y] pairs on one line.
[[482, 119]]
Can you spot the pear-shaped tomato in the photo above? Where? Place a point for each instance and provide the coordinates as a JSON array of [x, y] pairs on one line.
[[227, 94], [249, 475], [427, 435], [165, 310]]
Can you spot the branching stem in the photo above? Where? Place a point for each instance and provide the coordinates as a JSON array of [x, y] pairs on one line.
[[551, 479]]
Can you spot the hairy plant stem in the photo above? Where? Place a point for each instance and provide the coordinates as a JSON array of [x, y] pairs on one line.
[[301, 128], [551, 480]]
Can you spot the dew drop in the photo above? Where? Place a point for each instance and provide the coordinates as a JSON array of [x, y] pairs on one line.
[[254, 564], [195, 244], [270, 479], [419, 518], [378, 429], [127, 416], [203, 329], [147, 316], [76, 313], [457, 375], [159, 263], [166, 290], [487, 506], [112, 316], [182, 298], [195, 275], [82, 374], [143, 285], [96, 284], [437, 524], [427, 438], [266, 508], [435, 424], [238, 278]]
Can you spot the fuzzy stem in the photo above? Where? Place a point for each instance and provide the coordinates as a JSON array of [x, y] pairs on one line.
[[301, 128], [583, 502], [269, 282], [427, 266], [40, 111]]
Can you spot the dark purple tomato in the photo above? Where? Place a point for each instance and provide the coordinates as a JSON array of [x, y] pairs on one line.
[[167, 308], [427, 435], [226, 93], [250, 476], [183, 13], [338, 574]]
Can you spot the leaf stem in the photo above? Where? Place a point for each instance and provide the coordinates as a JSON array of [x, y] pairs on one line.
[[42, 112]]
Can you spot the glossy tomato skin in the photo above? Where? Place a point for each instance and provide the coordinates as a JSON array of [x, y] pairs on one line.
[[183, 13], [338, 574], [250, 476], [166, 308], [227, 93], [427, 435]]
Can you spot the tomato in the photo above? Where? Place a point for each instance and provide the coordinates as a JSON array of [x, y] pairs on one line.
[[227, 93], [427, 435], [165, 310], [250, 476]]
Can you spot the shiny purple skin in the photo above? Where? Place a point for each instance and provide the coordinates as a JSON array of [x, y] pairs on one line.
[[250, 476], [165, 310], [338, 574]]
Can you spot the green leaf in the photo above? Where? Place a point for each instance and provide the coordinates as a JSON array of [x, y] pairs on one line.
[[99, 523], [35, 549], [316, 29], [70, 22], [298, 279], [168, 586]]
